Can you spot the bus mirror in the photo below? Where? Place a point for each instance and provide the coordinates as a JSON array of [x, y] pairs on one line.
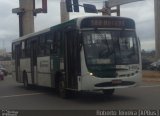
[[89, 8]]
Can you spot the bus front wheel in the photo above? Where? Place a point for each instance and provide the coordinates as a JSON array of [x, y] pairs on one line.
[[108, 92]]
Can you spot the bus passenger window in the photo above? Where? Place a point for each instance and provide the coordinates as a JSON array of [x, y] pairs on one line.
[[42, 46], [13, 51], [23, 49], [27, 48], [56, 43], [48, 43]]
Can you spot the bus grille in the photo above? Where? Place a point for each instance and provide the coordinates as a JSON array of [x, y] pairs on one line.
[[110, 84]]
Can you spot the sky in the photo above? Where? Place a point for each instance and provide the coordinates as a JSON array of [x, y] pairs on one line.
[[142, 12]]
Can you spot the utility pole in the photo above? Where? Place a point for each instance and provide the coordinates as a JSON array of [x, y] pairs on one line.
[[157, 27], [64, 13], [106, 10], [26, 13], [27, 17]]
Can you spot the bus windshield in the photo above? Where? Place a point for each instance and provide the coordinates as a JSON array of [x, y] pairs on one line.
[[118, 47]]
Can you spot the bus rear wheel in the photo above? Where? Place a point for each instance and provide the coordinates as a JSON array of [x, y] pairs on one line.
[[25, 81], [108, 92], [63, 93]]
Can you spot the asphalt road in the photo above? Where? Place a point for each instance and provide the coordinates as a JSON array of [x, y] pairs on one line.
[[14, 96]]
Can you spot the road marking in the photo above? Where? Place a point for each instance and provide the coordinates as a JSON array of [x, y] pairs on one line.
[[149, 86], [20, 95], [32, 94]]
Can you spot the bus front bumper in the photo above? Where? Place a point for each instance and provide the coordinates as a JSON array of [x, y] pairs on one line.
[[92, 83]]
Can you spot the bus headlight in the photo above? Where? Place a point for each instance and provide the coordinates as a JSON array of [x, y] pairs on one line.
[[91, 74]]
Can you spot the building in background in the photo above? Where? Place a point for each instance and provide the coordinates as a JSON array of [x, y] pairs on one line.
[[3, 52], [5, 59]]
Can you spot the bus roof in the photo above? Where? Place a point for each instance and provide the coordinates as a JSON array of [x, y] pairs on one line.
[[32, 35], [76, 22]]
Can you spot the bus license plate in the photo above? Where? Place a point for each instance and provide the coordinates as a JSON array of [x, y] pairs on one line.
[[116, 81]]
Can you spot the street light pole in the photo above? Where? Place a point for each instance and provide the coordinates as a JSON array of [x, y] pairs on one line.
[[26, 13], [27, 19], [106, 10], [64, 13], [20, 24], [157, 27]]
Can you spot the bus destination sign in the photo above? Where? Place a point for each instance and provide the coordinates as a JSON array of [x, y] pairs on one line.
[[108, 23]]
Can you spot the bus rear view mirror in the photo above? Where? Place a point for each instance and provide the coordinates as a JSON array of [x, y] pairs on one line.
[[89, 8]]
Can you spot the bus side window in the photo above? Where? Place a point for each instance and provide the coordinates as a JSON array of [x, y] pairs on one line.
[[42, 45], [13, 51], [27, 48], [23, 49], [56, 42], [48, 43], [51, 43]]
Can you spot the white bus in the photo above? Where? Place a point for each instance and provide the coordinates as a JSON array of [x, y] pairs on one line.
[[83, 54]]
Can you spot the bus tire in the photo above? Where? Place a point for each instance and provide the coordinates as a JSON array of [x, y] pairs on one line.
[[63, 93], [108, 92], [25, 80], [61, 87]]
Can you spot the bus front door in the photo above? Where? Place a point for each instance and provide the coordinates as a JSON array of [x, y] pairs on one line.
[[71, 59], [34, 61]]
